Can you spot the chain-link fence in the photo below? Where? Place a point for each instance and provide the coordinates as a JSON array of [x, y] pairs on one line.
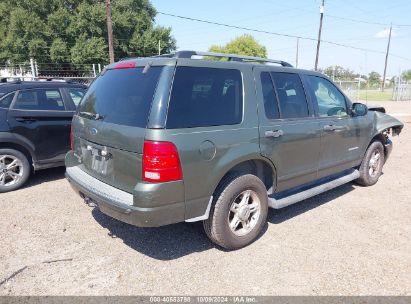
[[83, 80], [29, 71], [350, 88], [402, 91]]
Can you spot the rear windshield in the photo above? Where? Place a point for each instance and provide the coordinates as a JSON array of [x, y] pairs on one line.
[[122, 96]]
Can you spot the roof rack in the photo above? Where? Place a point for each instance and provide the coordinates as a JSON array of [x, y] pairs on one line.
[[61, 79], [231, 57], [6, 80]]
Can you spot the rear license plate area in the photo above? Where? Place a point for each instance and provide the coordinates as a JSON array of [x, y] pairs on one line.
[[97, 159]]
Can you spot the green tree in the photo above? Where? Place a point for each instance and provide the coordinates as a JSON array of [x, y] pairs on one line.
[[74, 32], [340, 73], [374, 79], [406, 75], [243, 45]]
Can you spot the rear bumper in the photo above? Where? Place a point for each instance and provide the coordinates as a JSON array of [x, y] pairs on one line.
[[387, 148], [120, 204]]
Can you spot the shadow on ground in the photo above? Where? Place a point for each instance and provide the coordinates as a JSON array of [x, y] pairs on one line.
[[162, 243], [175, 241], [46, 175]]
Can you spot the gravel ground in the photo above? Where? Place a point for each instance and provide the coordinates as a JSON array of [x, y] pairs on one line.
[[348, 241]]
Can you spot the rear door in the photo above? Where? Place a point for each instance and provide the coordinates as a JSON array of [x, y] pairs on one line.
[[5, 101], [343, 136], [109, 127], [40, 116], [289, 132]]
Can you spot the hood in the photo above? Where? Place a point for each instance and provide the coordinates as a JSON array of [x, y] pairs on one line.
[[384, 121]]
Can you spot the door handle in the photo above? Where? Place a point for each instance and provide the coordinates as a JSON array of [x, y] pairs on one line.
[[274, 133], [333, 128], [329, 128], [25, 119]]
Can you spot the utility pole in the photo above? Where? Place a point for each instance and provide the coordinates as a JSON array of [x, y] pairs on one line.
[[109, 31], [319, 35], [386, 60], [296, 55], [159, 47]]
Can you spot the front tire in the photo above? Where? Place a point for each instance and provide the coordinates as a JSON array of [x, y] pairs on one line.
[[14, 170], [238, 213], [371, 166]]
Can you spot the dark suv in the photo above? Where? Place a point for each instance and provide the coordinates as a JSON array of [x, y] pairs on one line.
[[35, 120], [167, 139]]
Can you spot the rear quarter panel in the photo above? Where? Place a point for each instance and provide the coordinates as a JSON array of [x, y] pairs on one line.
[[208, 153]]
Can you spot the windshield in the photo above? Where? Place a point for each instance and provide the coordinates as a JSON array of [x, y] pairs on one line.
[[121, 96]]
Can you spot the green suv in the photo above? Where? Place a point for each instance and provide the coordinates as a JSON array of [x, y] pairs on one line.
[[173, 138]]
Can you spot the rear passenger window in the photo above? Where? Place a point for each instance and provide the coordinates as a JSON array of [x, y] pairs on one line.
[[291, 96], [205, 97], [270, 100], [76, 95], [41, 99]]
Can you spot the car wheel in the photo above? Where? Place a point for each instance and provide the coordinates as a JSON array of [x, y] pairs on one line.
[[14, 170], [238, 213], [371, 166]]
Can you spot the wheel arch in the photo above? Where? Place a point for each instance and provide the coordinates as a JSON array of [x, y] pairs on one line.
[[259, 166], [381, 137], [9, 141]]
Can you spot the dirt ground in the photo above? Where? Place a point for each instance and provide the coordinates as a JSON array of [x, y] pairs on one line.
[[348, 241]]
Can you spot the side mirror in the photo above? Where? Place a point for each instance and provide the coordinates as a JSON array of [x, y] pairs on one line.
[[359, 109]]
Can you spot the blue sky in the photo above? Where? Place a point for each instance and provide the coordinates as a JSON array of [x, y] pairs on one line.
[[301, 18]]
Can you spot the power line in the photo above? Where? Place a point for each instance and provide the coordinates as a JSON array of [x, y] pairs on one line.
[[270, 33], [357, 20], [366, 22], [353, 19], [235, 26]]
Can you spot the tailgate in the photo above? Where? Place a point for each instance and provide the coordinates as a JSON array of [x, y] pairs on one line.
[[109, 128]]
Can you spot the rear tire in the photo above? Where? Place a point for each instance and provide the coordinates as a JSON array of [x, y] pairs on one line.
[[14, 170], [238, 213], [371, 165]]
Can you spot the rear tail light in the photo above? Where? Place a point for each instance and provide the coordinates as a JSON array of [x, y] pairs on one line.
[[161, 162], [71, 138]]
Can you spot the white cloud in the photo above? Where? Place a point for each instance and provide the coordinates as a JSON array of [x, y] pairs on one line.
[[385, 33]]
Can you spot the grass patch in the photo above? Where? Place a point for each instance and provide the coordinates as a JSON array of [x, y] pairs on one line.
[[376, 95]]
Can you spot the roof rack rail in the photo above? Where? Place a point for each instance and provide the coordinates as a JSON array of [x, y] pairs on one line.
[[13, 81], [231, 57], [61, 79]]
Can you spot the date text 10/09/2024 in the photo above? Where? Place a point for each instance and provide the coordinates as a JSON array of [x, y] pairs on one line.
[[202, 299]]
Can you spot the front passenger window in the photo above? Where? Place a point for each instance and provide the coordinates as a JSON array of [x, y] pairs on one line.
[[329, 99]]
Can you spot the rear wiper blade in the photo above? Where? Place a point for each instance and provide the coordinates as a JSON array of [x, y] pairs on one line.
[[95, 116]]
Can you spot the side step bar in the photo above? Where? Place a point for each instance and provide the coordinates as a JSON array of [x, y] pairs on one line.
[[300, 196]]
